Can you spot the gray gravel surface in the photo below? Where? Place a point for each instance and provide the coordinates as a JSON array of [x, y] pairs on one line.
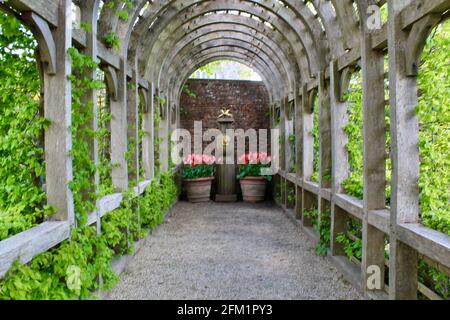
[[230, 251]]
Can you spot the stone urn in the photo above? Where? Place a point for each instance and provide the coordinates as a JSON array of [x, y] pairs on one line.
[[254, 189], [199, 190]]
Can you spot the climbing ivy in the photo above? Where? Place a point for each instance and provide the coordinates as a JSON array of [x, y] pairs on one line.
[[315, 134], [22, 167], [433, 111], [50, 275], [84, 168]]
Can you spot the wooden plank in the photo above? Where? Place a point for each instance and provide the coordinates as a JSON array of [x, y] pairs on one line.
[[374, 150], [47, 9], [325, 193], [429, 293], [349, 204], [430, 243], [311, 187], [405, 158], [380, 219], [104, 206], [420, 8], [379, 39], [28, 244], [291, 177], [58, 109]]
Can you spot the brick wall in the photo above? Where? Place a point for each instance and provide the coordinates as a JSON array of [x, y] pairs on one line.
[[248, 101]]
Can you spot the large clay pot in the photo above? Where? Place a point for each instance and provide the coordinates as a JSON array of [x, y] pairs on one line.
[[254, 189], [199, 190]]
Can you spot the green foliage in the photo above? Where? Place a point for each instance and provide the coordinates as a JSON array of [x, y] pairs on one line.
[[252, 170], [48, 275], [112, 40], [22, 167], [254, 165], [316, 133], [354, 184], [433, 111], [84, 168], [433, 278], [323, 229], [199, 171], [292, 145], [352, 240], [103, 136], [354, 130], [198, 166], [291, 195], [188, 91]]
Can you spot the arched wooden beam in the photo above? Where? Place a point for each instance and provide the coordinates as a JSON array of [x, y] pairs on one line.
[[184, 73], [143, 96], [112, 82], [178, 84], [44, 36], [237, 45], [232, 22], [417, 40], [178, 72], [296, 37], [225, 36]]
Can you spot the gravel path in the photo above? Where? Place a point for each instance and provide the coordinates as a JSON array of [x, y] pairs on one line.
[[230, 251]]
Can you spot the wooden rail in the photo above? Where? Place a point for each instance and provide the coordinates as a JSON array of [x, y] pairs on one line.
[[433, 246]]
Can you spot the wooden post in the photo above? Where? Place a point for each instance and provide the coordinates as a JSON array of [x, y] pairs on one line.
[[325, 143], [309, 201], [374, 129], [119, 141], [133, 125], [164, 135], [299, 150], [340, 166], [89, 12], [405, 158], [148, 149], [58, 109]]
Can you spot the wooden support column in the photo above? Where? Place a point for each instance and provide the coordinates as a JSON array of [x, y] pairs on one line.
[[340, 166], [339, 116], [325, 143], [133, 126], [374, 129], [89, 13], [58, 109], [405, 158], [299, 151], [148, 147], [283, 150], [309, 201], [119, 141], [164, 136]]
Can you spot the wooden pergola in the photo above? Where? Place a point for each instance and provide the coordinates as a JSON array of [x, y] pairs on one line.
[[301, 49]]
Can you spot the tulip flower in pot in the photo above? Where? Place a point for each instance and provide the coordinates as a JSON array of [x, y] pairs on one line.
[[198, 175], [253, 182]]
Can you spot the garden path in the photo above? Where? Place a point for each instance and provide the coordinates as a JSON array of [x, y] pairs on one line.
[[230, 251]]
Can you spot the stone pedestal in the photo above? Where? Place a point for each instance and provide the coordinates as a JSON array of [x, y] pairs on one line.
[[226, 173]]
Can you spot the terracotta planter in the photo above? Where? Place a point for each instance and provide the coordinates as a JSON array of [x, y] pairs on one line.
[[199, 190], [254, 189]]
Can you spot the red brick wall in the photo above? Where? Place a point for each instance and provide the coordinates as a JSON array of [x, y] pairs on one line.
[[248, 101]]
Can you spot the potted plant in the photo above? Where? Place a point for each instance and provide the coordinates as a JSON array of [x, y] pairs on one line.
[[253, 182], [198, 175]]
